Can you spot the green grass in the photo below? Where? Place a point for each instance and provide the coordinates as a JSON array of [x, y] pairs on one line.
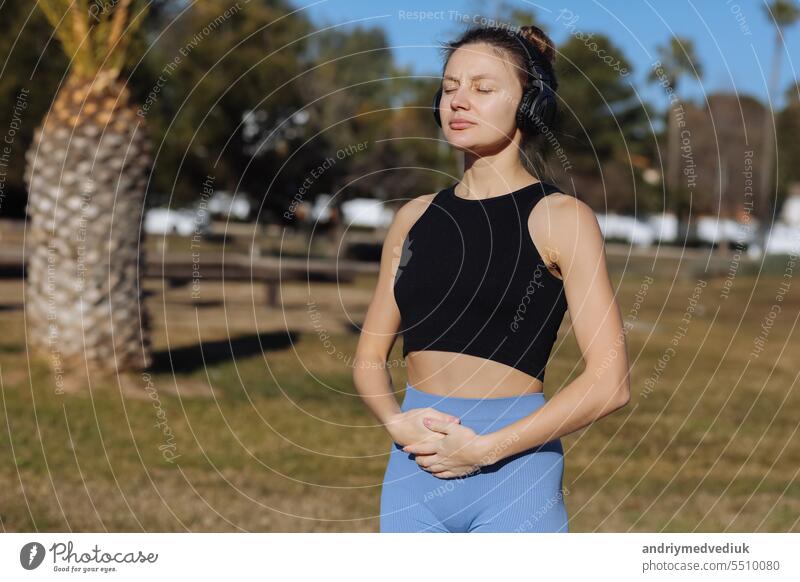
[[283, 444]]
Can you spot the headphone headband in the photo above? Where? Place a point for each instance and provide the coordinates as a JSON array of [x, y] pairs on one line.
[[535, 57]]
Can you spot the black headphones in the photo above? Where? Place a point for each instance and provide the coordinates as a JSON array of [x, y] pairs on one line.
[[537, 107]]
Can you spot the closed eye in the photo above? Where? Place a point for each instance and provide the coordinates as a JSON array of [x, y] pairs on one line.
[[479, 90]]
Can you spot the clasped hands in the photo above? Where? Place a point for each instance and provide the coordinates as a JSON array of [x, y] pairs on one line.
[[442, 445]]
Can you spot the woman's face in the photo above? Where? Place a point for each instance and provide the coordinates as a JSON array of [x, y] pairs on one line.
[[480, 95]]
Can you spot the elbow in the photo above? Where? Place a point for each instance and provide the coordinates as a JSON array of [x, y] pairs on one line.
[[621, 390], [615, 385], [365, 362], [623, 398]]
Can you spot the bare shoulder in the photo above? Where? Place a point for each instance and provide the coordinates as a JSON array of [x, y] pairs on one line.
[[410, 212], [561, 221], [557, 212]]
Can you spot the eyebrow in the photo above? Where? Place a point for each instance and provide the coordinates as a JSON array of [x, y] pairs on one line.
[[480, 76]]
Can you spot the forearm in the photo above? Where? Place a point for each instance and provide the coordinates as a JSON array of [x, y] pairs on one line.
[[579, 404], [374, 384]]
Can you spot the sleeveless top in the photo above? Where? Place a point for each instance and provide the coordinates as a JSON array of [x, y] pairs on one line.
[[471, 281]]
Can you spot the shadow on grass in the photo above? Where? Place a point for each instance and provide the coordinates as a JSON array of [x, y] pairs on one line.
[[191, 358]]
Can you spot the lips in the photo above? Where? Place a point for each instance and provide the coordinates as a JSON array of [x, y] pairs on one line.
[[459, 123]]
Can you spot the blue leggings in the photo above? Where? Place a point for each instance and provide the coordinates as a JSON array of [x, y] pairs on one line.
[[520, 493]]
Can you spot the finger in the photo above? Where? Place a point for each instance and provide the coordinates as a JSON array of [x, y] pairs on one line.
[[425, 461], [444, 474], [448, 417], [423, 448], [437, 425]]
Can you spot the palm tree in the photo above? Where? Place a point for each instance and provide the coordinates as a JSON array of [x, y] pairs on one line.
[[86, 173], [783, 14], [678, 59]]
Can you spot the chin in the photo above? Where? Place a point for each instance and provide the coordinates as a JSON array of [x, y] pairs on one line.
[[473, 143]]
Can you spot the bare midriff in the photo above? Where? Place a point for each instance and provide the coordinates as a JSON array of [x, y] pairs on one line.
[[465, 376]]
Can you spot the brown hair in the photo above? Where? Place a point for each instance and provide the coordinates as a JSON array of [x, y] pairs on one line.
[[504, 39]]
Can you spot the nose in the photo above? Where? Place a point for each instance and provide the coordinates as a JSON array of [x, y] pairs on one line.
[[459, 99]]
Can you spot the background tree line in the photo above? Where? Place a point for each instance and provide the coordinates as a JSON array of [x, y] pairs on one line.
[[220, 87]]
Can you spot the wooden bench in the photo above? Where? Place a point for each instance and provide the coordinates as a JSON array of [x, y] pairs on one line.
[[179, 269]]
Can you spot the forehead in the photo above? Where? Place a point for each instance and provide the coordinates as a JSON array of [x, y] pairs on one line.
[[478, 60]]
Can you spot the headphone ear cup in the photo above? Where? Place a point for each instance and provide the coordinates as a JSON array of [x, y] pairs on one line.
[[436, 115], [525, 111], [537, 109], [547, 108]]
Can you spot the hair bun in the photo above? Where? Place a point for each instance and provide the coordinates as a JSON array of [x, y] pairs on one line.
[[541, 41]]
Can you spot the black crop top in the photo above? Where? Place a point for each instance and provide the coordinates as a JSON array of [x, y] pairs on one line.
[[471, 281]]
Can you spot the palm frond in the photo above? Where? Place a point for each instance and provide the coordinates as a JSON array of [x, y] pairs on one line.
[[783, 13], [95, 37], [123, 28], [57, 13]]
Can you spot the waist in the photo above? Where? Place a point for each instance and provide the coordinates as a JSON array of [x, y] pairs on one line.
[[477, 413]]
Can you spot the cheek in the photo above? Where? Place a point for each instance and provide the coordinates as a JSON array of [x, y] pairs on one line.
[[500, 114]]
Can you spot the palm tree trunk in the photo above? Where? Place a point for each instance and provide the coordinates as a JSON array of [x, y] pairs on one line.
[[673, 163], [87, 174], [766, 173]]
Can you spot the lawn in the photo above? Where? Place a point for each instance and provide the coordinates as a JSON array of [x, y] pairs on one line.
[[250, 421]]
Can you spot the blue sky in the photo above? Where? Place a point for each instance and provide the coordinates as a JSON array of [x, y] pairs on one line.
[[733, 38]]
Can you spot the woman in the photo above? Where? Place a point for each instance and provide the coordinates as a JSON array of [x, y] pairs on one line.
[[484, 277]]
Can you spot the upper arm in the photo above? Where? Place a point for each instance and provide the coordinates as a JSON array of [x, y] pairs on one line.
[[577, 246], [383, 321]]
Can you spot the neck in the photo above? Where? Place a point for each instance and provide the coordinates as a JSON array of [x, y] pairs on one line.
[[494, 174]]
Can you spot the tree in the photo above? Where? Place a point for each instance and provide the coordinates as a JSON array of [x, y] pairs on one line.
[[677, 60], [86, 175], [354, 79], [783, 13], [221, 91], [788, 125], [601, 122], [30, 72], [724, 130]]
